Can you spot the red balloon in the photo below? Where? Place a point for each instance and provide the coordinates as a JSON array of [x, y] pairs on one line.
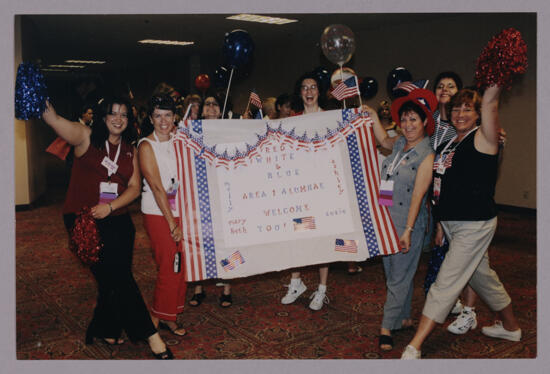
[[202, 82]]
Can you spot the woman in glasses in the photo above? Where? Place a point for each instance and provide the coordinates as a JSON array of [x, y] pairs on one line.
[[105, 177], [159, 201], [211, 109]]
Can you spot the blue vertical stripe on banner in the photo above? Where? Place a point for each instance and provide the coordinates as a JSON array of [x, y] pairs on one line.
[[204, 207], [360, 190]]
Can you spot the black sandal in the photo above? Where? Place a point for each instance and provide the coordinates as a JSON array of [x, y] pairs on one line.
[[385, 340], [226, 299], [166, 355], [197, 298], [165, 326]]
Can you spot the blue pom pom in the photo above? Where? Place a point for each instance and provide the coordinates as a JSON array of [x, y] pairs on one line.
[[30, 92]]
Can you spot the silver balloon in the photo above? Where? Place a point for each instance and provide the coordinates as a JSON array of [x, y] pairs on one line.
[[338, 43]]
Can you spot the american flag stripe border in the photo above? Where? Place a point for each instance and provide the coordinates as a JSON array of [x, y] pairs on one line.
[[374, 218]]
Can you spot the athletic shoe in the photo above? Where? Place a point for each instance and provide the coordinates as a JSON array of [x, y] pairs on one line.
[[318, 299], [457, 309], [293, 292], [498, 331], [464, 322], [410, 353]]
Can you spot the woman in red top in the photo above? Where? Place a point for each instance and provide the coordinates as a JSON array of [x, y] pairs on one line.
[[105, 177]]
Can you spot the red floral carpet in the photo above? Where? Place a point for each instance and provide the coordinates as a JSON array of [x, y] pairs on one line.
[[56, 295]]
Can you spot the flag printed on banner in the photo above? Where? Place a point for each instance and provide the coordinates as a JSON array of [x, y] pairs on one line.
[[304, 224], [255, 100], [349, 246], [347, 88], [232, 261]]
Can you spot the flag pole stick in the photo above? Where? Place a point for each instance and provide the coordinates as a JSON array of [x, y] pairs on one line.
[[247, 106], [341, 81], [227, 92], [359, 93], [187, 111]]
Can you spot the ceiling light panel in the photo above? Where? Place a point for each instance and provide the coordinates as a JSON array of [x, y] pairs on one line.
[[262, 19], [67, 66], [54, 69], [84, 62], [164, 42]]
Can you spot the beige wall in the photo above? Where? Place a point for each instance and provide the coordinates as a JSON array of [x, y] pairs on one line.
[[30, 172]]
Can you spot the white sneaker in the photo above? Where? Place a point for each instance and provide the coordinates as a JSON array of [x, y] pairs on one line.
[[318, 299], [410, 353], [498, 331], [464, 322], [293, 292], [457, 309]]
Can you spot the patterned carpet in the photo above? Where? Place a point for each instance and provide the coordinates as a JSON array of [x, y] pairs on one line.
[[56, 295]]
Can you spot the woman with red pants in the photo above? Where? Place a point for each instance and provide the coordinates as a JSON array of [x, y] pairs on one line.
[[157, 161]]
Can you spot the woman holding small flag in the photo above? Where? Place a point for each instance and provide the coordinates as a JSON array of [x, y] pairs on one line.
[[405, 178]]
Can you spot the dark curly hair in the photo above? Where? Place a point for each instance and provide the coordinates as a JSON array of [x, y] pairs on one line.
[[100, 132]]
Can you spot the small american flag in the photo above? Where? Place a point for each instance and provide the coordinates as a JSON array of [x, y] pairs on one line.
[[303, 224], [409, 86], [232, 261], [347, 88], [447, 161], [349, 246], [255, 100]]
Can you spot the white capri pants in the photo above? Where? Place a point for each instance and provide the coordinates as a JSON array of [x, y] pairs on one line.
[[466, 262]]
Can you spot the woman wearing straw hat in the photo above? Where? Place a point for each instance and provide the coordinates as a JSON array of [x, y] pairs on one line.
[[405, 179]]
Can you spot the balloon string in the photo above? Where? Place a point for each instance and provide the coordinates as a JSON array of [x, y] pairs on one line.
[[227, 92]]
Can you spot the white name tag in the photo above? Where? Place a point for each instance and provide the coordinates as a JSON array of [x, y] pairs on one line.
[[110, 165]]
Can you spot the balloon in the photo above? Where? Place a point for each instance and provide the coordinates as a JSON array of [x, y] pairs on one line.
[[202, 82], [368, 87], [237, 48], [336, 77], [396, 76], [324, 77], [221, 77], [338, 43]]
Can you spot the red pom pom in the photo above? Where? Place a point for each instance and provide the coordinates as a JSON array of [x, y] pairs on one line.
[[85, 240], [504, 57]]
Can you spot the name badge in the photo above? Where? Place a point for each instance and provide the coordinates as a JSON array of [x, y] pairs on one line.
[[171, 194], [110, 165], [107, 192], [386, 193]]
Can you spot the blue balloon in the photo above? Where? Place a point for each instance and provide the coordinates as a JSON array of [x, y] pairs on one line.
[[237, 48], [398, 75], [368, 87], [221, 77], [324, 77]]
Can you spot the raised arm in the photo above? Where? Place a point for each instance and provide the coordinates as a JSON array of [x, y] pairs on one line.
[[150, 171], [130, 194], [421, 184], [379, 132], [73, 133], [486, 140]]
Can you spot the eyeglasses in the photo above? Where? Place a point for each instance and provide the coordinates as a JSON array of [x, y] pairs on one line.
[[310, 88], [122, 115]]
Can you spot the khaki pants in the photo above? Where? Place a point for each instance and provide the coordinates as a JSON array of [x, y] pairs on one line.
[[466, 262]]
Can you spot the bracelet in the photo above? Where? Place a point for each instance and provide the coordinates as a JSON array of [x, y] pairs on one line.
[[110, 207], [409, 228]]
